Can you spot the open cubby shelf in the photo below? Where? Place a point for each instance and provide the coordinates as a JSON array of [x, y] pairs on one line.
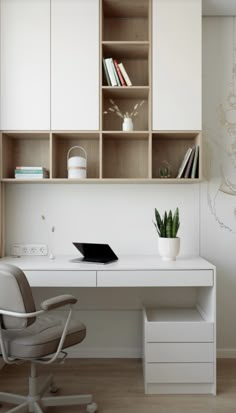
[[135, 58], [125, 20], [112, 156]]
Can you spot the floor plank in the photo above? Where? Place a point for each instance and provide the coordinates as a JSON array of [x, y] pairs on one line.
[[117, 386]]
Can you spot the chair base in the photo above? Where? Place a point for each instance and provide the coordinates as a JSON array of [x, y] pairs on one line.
[[35, 401], [36, 405]]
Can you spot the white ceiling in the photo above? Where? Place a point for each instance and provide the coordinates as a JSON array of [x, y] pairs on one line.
[[219, 7]]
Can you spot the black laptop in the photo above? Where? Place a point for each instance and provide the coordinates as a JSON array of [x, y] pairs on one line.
[[96, 252]]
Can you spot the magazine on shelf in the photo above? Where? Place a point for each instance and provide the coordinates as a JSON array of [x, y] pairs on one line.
[[184, 163]]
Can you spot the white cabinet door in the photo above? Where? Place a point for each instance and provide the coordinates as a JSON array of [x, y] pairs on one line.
[[177, 64], [25, 64], [75, 64]]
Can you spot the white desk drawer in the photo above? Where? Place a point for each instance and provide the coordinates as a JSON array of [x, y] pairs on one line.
[[150, 278], [180, 373], [179, 332], [62, 278], [179, 352], [179, 325]]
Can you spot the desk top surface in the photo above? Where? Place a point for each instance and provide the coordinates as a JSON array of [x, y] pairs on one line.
[[125, 262]]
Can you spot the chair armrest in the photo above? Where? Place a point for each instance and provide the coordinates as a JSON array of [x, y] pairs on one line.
[[21, 315], [59, 301]]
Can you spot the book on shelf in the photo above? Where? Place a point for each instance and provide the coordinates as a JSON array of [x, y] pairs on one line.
[[111, 72], [125, 74], [106, 72], [184, 163], [30, 172], [188, 169], [194, 172], [31, 176], [115, 73], [33, 168], [122, 81]]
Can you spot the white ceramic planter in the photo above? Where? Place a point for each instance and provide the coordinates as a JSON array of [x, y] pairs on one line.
[[169, 248], [127, 124]]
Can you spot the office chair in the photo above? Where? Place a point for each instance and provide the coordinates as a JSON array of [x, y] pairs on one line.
[[30, 335]]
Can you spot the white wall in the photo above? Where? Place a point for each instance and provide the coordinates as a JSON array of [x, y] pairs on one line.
[[118, 214], [218, 194]]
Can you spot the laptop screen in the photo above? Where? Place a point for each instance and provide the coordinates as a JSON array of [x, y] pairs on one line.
[[96, 252]]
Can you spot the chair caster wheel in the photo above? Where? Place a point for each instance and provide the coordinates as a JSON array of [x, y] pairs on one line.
[[91, 408], [53, 388]]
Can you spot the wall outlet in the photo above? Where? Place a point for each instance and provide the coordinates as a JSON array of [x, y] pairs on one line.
[[29, 249]]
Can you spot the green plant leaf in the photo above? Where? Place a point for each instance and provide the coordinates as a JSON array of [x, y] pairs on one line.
[[157, 229], [165, 222], [169, 226], [175, 223], [158, 219]]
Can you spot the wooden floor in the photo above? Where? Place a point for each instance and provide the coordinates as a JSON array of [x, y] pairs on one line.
[[117, 386]]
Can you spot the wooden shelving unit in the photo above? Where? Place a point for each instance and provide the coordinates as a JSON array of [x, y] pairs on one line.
[[125, 37], [112, 155]]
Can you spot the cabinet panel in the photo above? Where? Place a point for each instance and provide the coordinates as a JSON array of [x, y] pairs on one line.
[[176, 64], [63, 278], [25, 64], [180, 372], [180, 332], [75, 64], [179, 352], [151, 278]]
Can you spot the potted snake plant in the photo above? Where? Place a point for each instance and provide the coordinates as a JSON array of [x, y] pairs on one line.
[[167, 229]]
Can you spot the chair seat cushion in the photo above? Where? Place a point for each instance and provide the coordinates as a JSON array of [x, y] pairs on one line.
[[42, 338]]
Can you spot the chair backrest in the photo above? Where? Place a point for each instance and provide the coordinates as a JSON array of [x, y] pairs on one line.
[[15, 295]]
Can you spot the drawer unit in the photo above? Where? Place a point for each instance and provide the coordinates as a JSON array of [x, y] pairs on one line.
[[179, 349], [179, 352], [157, 278], [61, 278]]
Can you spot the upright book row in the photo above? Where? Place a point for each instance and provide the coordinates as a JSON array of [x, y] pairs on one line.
[[115, 73], [189, 165]]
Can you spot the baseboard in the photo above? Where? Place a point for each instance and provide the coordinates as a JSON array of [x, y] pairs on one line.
[[104, 353], [129, 353], [226, 353], [125, 353]]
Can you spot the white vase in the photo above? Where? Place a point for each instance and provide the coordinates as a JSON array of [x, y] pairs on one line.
[[127, 124], [169, 248]]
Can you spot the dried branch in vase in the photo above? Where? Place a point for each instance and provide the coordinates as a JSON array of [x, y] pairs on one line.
[[116, 110]]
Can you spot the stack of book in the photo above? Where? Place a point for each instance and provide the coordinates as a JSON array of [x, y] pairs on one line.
[[115, 73], [189, 165], [31, 172]]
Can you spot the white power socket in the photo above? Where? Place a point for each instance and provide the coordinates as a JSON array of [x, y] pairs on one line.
[[29, 249]]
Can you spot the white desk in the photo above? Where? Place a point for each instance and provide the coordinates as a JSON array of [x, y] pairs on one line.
[[128, 271], [179, 339]]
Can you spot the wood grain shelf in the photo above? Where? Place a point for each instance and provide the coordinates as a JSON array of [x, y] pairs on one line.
[[24, 148], [126, 92], [171, 147], [126, 50], [156, 181], [125, 20]]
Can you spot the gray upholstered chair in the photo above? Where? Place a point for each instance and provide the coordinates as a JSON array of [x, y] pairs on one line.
[[35, 336]]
